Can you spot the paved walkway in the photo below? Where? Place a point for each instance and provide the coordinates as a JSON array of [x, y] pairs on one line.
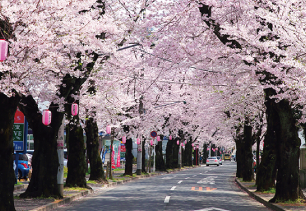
[[264, 198]]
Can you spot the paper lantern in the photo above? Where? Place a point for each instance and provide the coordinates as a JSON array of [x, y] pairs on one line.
[[151, 142], [138, 141], [170, 137], [192, 144], [74, 109], [193, 148], [182, 144], [158, 138], [3, 50], [123, 139], [46, 117], [178, 142], [197, 146], [185, 141], [108, 129]]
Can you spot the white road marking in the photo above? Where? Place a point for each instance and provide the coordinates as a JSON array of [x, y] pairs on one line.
[[167, 199], [208, 180], [194, 175], [180, 182], [168, 177], [173, 188], [211, 209], [187, 177]]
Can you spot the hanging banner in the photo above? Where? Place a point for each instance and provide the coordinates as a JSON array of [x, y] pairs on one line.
[[118, 158], [20, 131], [113, 159]]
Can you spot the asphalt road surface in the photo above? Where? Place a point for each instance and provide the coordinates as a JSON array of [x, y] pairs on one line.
[[207, 188]]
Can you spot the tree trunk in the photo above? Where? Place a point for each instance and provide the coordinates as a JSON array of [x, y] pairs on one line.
[[160, 164], [247, 173], [288, 149], [239, 156], [129, 157], [205, 152], [92, 134], [45, 163], [266, 170], [188, 154], [143, 157], [8, 106], [76, 155], [169, 154]]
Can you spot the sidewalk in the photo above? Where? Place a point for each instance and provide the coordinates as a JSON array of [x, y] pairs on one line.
[[264, 198], [42, 204]]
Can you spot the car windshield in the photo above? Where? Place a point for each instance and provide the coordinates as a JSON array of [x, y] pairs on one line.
[[218, 157], [211, 158]]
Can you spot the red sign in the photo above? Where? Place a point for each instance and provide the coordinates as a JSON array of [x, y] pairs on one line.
[[19, 117], [123, 149]]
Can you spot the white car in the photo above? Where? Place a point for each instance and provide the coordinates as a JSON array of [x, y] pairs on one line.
[[220, 160], [212, 161]]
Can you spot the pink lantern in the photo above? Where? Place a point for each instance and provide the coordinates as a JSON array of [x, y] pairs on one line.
[[138, 141], [123, 139], [3, 50], [158, 138], [139, 149], [185, 141], [151, 142], [182, 144], [46, 118], [74, 109], [170, 137], [108, 129], [197, 146], [178, 142], [193, 148], [192, 144], [207, 149]]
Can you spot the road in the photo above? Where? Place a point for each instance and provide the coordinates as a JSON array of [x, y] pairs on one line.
[[205, 188]]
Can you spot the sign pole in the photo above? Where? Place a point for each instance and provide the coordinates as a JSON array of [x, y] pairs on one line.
[[153, 155]]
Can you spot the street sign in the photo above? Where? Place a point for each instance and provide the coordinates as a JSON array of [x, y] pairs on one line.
[[153, 134]]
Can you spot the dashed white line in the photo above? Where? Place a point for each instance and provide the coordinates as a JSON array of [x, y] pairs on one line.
[[173, 188], [187, 177], [180, 182], [194, 175], [167, 199]]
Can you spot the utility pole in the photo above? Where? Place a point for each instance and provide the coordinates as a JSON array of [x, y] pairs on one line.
[[139, 146], [60, 153], [111, 152]]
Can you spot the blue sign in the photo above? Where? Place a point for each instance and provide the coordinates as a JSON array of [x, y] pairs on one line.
[[153, 134]]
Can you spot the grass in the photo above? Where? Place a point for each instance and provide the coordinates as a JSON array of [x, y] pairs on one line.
[[75, 189], [271, 190], [118, 169], [19, 183], [92, 182], [297, 202]]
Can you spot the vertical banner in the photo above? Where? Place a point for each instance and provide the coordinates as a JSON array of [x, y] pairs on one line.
[[113, 159], [118, 157], [19, 131]]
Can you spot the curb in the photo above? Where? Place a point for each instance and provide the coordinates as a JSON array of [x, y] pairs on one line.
[[73, 197], [259, 199]]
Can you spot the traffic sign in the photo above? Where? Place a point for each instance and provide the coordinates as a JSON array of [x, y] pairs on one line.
[[153, 134]]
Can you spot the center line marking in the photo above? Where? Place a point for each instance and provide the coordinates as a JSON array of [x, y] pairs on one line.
[[173, 188], [180, 182], [167, 199]]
